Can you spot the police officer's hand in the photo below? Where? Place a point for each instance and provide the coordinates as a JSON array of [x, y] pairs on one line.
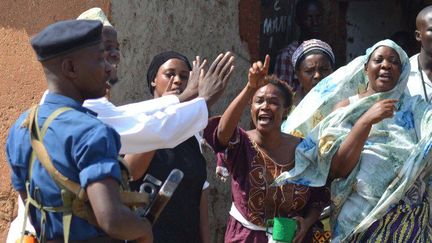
[[216, 79], [113, 217]]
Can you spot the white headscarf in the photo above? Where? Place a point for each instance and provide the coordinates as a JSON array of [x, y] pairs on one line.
[[394, 156], [95, 14]]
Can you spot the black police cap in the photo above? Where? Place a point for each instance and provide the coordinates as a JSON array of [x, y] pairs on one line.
[[66, 36]]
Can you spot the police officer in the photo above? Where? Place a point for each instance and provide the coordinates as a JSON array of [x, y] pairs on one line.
[[80, 146]]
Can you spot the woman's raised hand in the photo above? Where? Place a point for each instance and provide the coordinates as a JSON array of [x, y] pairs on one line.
[[381, 110], [258, 72], [195, 77], [197, 73]]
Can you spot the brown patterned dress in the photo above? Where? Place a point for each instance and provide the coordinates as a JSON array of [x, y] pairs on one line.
[[252, 172]]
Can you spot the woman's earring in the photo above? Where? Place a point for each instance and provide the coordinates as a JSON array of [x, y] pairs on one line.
[[153, 84]]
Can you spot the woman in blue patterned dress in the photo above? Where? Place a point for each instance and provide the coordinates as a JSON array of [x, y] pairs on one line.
[[373, 147]]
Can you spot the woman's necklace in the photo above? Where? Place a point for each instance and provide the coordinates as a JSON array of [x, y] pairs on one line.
[[266, 158], [422, 79]]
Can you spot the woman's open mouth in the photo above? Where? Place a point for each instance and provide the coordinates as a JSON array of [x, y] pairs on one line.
[[385, 77], [265, 119]]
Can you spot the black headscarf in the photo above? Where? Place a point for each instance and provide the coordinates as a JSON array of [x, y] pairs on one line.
[[158, 61]]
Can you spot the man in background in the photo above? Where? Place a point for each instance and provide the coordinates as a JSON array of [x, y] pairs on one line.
[[309, 18], [419, 82]]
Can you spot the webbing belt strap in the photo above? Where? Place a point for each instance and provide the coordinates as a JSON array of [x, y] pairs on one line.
[[70, 190], [39, 151], [44, 158]]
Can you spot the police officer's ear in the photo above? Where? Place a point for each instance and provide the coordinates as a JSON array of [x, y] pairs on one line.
[[69, 68], [418, 35]]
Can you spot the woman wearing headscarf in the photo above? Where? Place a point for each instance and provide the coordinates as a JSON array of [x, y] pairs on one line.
[[256, 157], [309, 18], [374, 148], [312, 61], [185, 218]]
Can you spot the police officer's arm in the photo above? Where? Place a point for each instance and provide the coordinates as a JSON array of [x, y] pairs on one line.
[[117, 220], [96, 153]]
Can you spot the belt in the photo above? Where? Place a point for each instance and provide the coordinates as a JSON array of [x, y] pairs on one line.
[[235, 213]]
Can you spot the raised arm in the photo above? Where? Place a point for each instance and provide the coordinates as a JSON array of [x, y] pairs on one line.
[[165, 128], [155, 124], [232, 115], [195, 76], [214, 81], [209, 86], [348, 154]]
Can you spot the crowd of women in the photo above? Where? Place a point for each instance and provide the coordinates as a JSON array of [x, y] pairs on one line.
[[354, 139], [356, 134]]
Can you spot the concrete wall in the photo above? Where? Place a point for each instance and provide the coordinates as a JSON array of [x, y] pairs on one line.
[[369, 22], [21, 78], [334, 32], [191, 27]]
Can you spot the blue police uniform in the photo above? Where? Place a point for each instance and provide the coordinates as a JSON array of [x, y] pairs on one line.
[[81, 148]]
